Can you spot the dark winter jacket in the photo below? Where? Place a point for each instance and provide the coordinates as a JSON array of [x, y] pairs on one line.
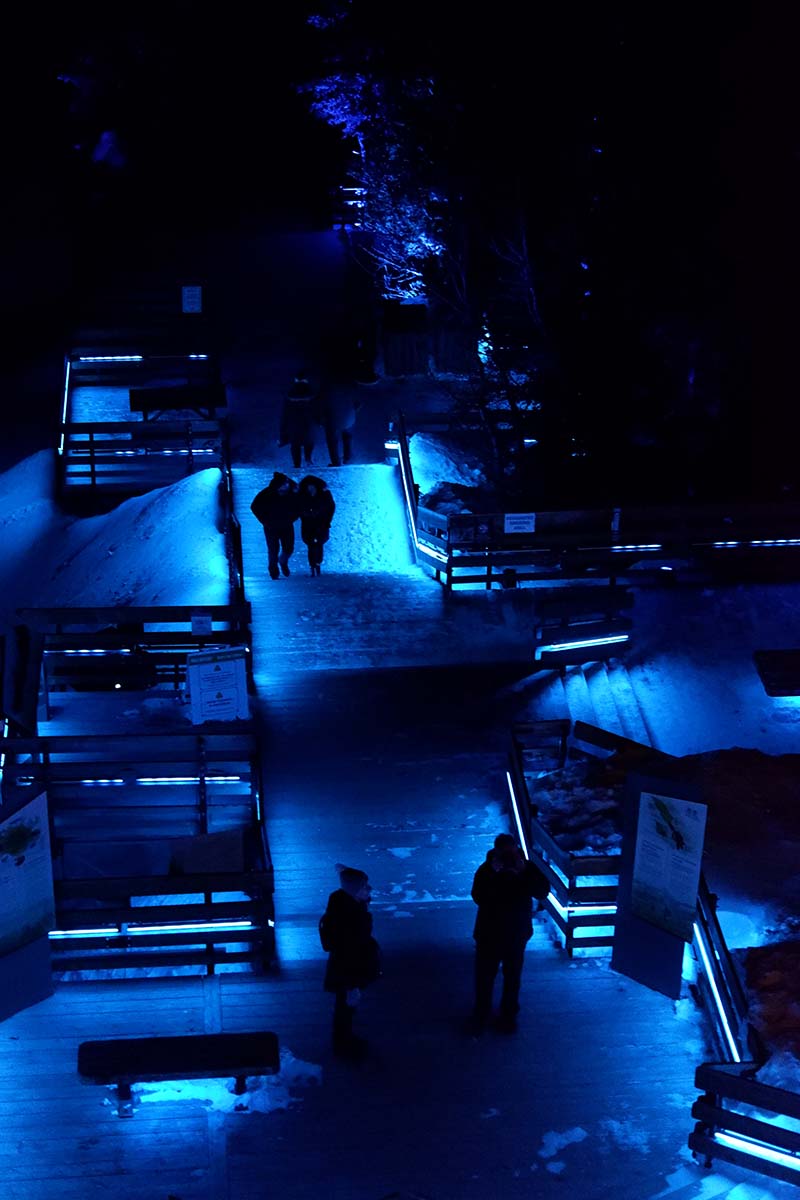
[[505, 901], [316, 512], [298, 415], [338, 409], [354, 957], [272, 507]]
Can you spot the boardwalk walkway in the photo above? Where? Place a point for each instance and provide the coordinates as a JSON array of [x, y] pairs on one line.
[[384, 710]]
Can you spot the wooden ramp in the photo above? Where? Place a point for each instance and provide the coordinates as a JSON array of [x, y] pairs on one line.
[[372, 607]]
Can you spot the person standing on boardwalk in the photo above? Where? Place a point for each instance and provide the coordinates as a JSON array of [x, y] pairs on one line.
[[338, 413], [298, 418], [317, 507], [345, 931], [503, 888], [276, 507]]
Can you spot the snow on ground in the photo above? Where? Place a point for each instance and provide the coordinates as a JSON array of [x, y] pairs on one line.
[[690, 663], [162, 548]]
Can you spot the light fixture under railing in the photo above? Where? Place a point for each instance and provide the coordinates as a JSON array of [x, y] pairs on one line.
[[583, 643], [129, 930], [64, 405], [436, 555], [110, 358], [517, 819], [712, 983], [756, 1149]]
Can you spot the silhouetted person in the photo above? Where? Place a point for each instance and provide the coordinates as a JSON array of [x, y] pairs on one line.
[[338, 412], [298, 418], [503, 889], [317, 507], [353, 955], [276, 507]]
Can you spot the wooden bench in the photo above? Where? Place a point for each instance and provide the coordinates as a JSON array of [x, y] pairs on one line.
[[123, 1061], [203, 399]]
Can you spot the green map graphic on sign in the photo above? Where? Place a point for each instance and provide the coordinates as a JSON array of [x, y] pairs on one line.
[[20, 837], [666, 868]]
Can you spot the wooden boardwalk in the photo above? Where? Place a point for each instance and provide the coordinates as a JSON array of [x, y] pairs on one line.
[[395, 764]]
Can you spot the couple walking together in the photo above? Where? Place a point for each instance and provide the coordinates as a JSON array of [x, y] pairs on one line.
[[278, 506], [303, 409]]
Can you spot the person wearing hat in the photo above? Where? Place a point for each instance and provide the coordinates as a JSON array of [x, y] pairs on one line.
[[277, 508], [503, 888], [353, 955], [317, 507], [298, 418]]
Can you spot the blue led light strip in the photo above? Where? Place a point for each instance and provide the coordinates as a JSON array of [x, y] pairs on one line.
[[110, 358], [515, 809], [723, 1017], [434, 554], [146, 930], [755, 1149], [64, 403], [611, 640]]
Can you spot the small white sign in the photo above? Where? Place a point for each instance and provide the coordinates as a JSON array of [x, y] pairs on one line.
[[191, 299], [201, 623], [217, 682], [519, 523]]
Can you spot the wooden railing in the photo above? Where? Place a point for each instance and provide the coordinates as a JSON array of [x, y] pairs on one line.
[[633, 544], [159, 851], [582, 906], [127, 458]]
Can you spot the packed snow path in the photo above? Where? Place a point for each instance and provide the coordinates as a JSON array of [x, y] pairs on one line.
[[371, 606]]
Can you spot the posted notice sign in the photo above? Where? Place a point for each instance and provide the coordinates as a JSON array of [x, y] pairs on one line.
[[191, 299], [27, 906], [218, 685], [667, 860], [519, 523]]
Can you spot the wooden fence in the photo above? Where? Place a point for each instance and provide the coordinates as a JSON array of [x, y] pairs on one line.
[[582, 906], [127, 649], [654, 544], [133, 422], [160, 857]]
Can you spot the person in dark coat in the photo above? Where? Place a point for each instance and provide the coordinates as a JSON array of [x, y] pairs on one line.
[[353, 955], [317, 507], [276, 507], [503, 888], [298, 419], [338, 411]]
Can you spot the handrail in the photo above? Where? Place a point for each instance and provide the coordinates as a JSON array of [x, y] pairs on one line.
[[482, 548], [761, 1143]]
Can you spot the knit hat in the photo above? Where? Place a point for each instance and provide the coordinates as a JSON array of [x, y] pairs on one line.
[[351, 878]]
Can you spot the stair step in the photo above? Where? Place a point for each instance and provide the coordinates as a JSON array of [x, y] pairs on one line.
[[602, 698], [579, 701], [630, 713]]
